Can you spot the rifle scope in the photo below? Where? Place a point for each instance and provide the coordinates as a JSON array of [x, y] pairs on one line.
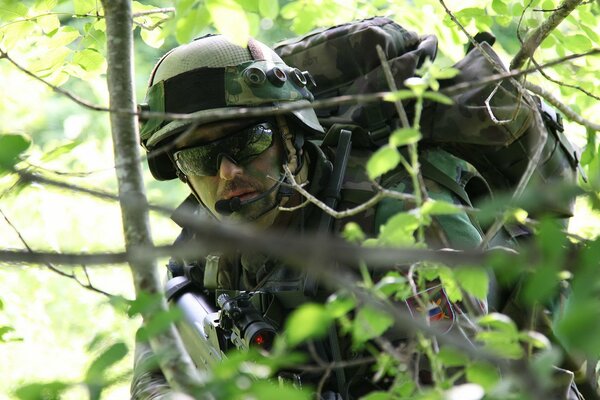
[[247, 324]]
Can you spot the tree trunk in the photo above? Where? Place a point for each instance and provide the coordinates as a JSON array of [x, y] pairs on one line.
[[175, 363]]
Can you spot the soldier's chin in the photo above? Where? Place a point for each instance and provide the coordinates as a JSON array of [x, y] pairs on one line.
[[260, 214]]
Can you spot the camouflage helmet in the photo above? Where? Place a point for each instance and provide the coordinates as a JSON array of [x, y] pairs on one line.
[[211, 73]]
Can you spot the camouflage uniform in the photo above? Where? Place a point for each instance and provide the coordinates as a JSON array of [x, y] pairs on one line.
[[246, 84]]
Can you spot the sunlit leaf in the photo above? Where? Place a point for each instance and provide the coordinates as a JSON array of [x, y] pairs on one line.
[[577, 43], [12, 10], [370, 323], [399, 230], [438, 97], [483, 374], [274, 391], [90, 60], [383, 160], [45, 65], [309, 321], [536, 339], [399, 95], [499, 322], [439, 207], [12, 145], [393, 284], [161, 321], [49, 23], [230, 19], [452, 357], [98, 369], [190, 24], [378, 396], [46, 391], [473, 280], [84, 6], [404, 136], [339, 304], [269, 8], [153, 38], [353, 232], [500, 7]]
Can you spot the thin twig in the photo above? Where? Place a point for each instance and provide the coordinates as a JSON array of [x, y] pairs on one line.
[[566, 110], [66, 93], [51, 267]]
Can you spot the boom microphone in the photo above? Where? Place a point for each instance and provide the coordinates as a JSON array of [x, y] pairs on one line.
[[229, 206]]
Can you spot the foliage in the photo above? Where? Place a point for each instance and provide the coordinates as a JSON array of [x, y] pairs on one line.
[[63, 43]]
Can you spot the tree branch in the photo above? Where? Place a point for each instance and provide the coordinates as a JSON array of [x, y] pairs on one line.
[[566, 110], [173, 360], [51, 267], [537, 36]]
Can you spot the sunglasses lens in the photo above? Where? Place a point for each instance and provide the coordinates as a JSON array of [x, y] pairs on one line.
[[241, 147]]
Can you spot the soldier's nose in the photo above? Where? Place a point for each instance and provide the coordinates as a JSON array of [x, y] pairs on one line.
[[229, 169]]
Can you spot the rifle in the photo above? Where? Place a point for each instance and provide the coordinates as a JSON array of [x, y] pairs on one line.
[[208, 333]]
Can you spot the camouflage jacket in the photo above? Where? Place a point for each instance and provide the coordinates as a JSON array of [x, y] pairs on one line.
[[445, 179]]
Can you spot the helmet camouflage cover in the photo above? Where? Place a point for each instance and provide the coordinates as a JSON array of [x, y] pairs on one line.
[[210, 74]]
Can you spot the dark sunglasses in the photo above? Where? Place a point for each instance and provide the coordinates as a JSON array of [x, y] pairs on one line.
[[241, 147]]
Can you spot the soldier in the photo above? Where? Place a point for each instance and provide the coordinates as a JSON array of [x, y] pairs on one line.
[[233, 169]]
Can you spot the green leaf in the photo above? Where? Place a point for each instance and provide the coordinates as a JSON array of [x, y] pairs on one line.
[[63, 37], [11, 10], [45, 391], [309, 321], [439, 207], [474, 280], [266, 390], [269, 8], [500, 7], [383, 160], [153, 38], [353, 232], [230, 19], [399, 95], [97, 371], [4, 330], [452, 357], [438, 97], [50, 62], [499, 322], [378, 396], [501, 344], [190, 24], [399, 230], [393, 284], [90, 60], [483, 374], [404, 136], [12, 145], [536, 339], [340, 304], [84, 6], [161, 321], [370, 323], [49, 23], [577, 43]]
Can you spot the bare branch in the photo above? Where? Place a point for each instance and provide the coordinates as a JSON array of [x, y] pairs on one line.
[[66, 93], [566, 110], [166, 10], [51, 267], [537, 36]]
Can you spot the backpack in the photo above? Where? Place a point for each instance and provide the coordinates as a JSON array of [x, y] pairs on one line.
[[343, 61]]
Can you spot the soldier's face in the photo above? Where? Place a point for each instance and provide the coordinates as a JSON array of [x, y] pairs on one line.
[[235, 171]]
